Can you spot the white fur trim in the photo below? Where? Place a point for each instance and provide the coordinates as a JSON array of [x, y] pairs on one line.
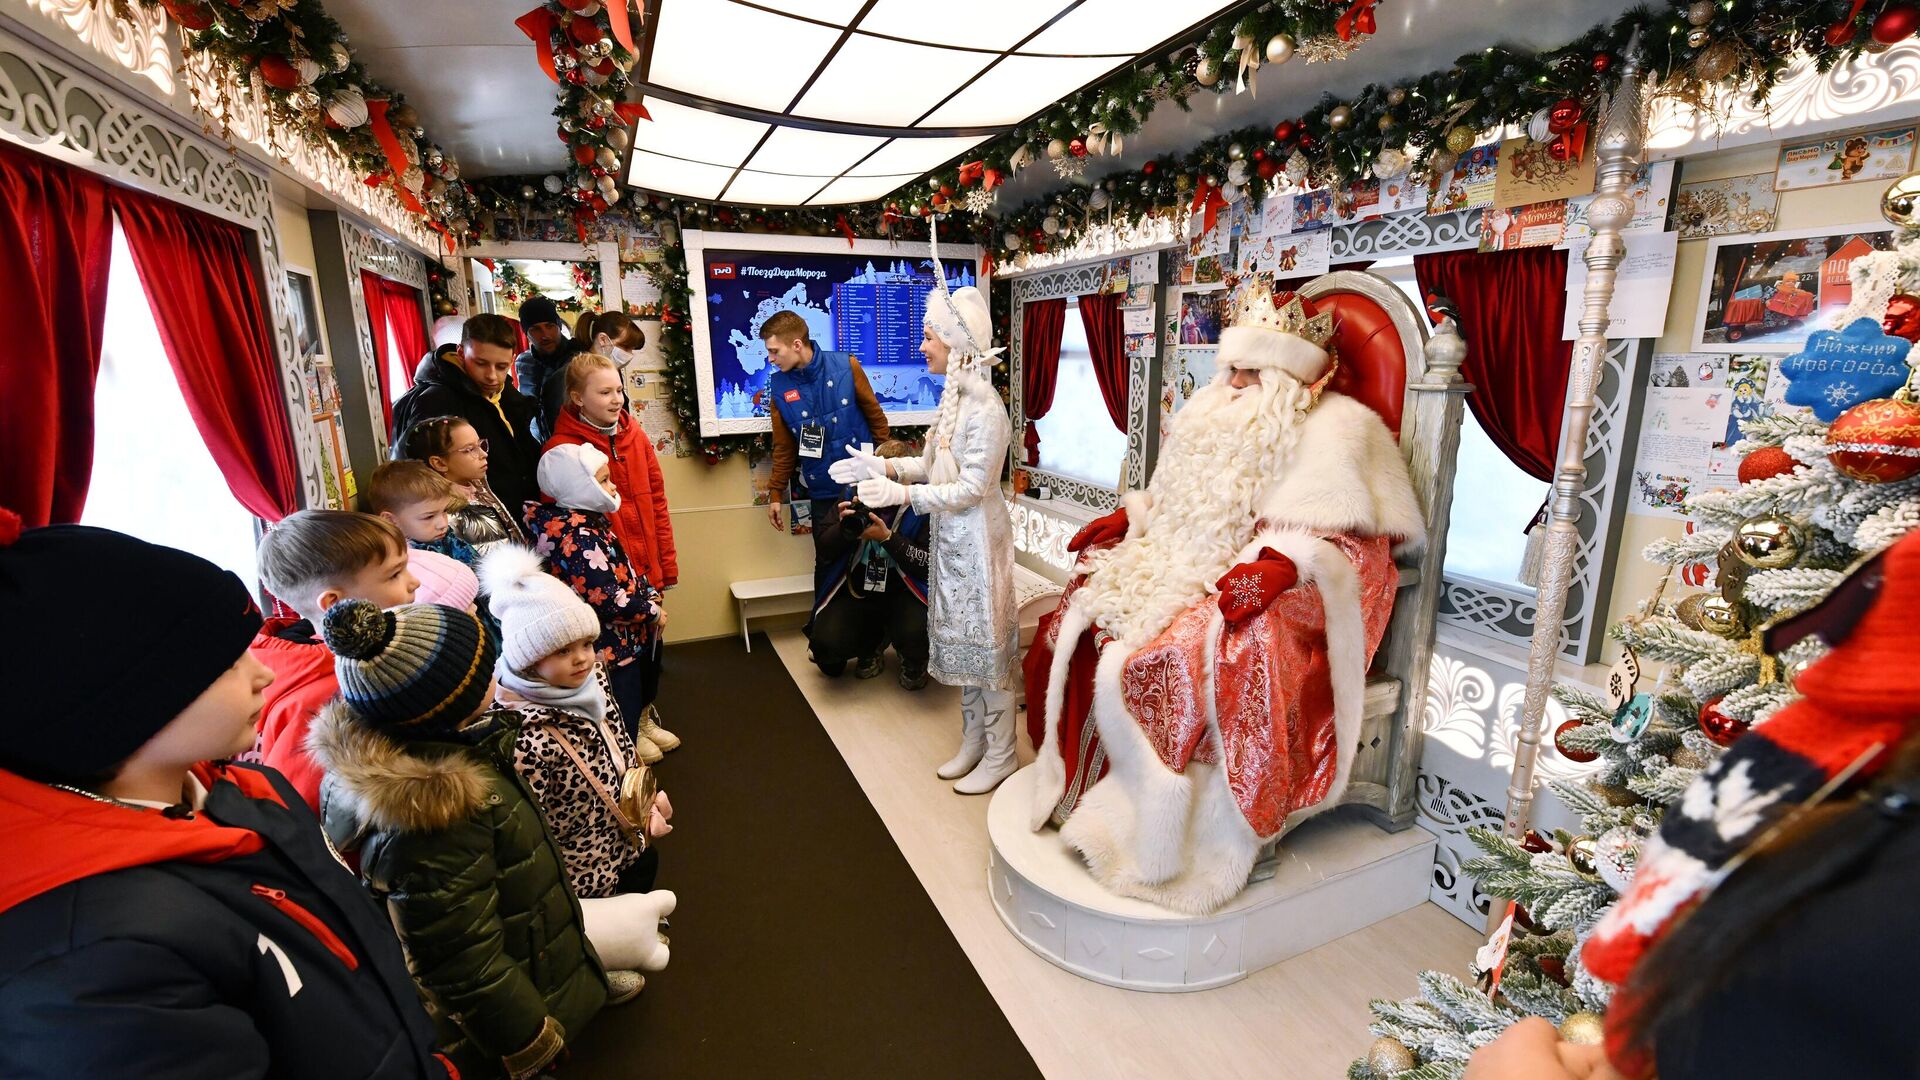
[[1220, 848], [1253, 347], [1347, 475], [1049, 773]]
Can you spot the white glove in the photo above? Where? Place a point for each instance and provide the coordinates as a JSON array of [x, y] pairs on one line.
[[847, 471], [880, 491], [874, 463]]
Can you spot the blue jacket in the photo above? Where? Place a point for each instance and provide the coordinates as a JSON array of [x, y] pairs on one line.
[[821, 392]]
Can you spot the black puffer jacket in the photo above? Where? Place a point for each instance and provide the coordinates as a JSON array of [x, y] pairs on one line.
[[450, 838], [231, 944], [513, 449]]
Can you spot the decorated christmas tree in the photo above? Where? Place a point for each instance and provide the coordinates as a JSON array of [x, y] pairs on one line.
[[1821, 487]]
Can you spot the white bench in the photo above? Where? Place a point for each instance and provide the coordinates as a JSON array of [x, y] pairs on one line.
[[771, 596]]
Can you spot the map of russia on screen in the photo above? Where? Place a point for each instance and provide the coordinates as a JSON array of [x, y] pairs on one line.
[[867, 305]]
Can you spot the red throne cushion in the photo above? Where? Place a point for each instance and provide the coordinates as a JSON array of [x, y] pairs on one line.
[[1373, 358]]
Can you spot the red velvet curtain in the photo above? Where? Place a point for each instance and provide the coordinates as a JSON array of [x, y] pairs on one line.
[[375, 295], [404, 315], [1041, 322], [213, 324], [1101, 316], [56, 233], [1511, 309]]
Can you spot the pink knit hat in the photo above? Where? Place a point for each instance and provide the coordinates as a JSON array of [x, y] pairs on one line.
[[443, 580]]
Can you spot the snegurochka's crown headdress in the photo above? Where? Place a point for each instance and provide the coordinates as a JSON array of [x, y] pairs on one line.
[[959, 317]]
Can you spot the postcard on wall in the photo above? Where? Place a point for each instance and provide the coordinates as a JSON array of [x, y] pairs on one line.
[[1687, 370], [1641, 287], [1398, 193], [1736, 204], [1172, 319], [1200, 317], [1145, 269], [1681, 432], [1767, 293], [1529, 173], [1845, 159], [1535, 225], [1141, 344], [1471, 183], [1276, 214], [1140, 296], [1185, 372], [1651, 188], [1747, 379], [1313, 210], [1363, 200], [1136, 320], [1209, 269]]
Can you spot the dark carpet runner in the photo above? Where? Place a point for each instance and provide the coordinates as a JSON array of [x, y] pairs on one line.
[[803, 945]]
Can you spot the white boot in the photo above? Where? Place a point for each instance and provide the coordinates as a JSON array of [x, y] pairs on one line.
[[999, 761], [973, 737], [650, 730]]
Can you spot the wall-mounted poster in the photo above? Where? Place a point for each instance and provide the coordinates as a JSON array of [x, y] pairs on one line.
[[1766, 294], [1536, 225], [1200, 316], [1470, 184], [1736, 204], [1529, 173], [1846, 159], [1313, 210]]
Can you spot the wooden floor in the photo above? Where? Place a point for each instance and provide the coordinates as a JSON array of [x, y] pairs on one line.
[[1304, 1018]]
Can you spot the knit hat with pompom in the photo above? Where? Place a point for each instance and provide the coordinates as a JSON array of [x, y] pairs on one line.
[[538, 614], [419, 671]]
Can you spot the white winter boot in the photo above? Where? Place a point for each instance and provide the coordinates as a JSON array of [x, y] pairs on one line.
[[999, 760], [651, 731], [973, 737]]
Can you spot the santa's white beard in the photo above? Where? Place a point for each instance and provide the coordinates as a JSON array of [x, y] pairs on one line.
[[1226, 447]]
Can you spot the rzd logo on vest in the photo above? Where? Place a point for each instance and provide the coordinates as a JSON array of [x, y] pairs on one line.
[[723, 272]]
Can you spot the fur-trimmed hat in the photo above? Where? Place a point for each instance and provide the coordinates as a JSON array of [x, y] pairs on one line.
[[1277, 331], [538, 614]]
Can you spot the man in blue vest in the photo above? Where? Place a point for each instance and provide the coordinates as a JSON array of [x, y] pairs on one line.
[[820, 401]]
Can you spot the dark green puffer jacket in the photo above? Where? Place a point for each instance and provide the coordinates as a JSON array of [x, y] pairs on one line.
[[450, 839]]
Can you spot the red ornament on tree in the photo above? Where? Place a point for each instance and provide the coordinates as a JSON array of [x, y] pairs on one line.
[[190, 14], [1269, 168], [1553, 967], [277, 72], [599, 203], [583, 153], [1561, 148], [1563, 116], [585, 31], [1876, 441], [1306, 139], [1601, 62], [1078, 147], [1148, 168], [1284, 130], [1902, 319], [1765, 464], [1259, 155], [1840, 33], [1720, 727], [1896, 23], [1536, 842], [1559, 743]]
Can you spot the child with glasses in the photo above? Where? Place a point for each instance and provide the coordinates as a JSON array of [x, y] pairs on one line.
[[451, 447]]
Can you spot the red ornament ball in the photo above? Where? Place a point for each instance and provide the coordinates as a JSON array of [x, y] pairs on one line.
[[946, 191], [1536, 842], [1149, 167], [1765, 464], [1561, 148], [597, 171], [1720, 727], [190, 14], [1896, 23], [1078, 147], [585, 31], [1269, 169], [277, 72], [1553, 967], [599, 203], [1259, 155], [1876, 441], [1284, 130], [1840, 33], [1559, 743], [583, 153], [1563, 116], [1601, 62], [1306, 139]]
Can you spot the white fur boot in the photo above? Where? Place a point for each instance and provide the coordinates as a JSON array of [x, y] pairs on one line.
[[973, 737], [995, 709], [625, 930]]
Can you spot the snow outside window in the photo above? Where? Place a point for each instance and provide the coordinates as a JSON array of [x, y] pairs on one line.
[[1077, 437], [153, 477]]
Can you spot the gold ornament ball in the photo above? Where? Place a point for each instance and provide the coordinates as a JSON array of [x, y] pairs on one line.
[[1688, 611], [1772, 542], [1460, 139], [1688, 758], [1717, 61], [1397, 95], [1583, 855], [1206, 72], [1700, 12], [1721, 616], [1389, 1057], [1583, 1029], [1280, 48], [1339, 117], [1386, 122], [1443, 161], [1618, 795], [1697, 38], [1897, 204]]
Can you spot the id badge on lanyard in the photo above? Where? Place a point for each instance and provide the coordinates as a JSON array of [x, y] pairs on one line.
[[813, 440], [875, 578]]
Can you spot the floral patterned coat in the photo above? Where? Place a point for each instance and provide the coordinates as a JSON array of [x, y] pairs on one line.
[[582, 550]]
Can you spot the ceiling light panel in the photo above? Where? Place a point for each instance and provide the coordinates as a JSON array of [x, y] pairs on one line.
[[723, 51], [914, 156], [1120, 26], [1016, 88], [876, 81], [981, 24], [849, 189], [813, 153], [672, 176], [696, 134], [772, 189], [837, 12]]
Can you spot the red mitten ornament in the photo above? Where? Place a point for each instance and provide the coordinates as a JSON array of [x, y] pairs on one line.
[[1248, 589], [1104, 530]]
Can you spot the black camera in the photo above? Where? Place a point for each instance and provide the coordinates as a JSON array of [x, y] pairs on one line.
[[856, 521]]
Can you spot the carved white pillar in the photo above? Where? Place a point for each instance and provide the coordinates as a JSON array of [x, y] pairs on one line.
[[1617, 151]]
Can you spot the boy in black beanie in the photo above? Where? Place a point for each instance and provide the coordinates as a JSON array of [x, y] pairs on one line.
[[163, 912]]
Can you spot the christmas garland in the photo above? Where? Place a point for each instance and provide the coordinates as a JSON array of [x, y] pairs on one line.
[[587, 49], [1422, 125], [314, 86]]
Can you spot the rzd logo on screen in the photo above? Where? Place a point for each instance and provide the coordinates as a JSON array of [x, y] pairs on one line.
[[722, 270]]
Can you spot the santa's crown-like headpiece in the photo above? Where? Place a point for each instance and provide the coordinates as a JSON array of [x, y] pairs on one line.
[[1260, 308]]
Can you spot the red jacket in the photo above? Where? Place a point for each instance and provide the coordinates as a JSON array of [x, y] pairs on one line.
[[303, 680], [642, 523]]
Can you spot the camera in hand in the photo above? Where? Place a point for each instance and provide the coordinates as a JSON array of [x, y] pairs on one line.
[[856, 521]]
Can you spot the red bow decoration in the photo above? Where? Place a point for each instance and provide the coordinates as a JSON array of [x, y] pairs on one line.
[[630, 112], [1252, 587], [538, 24], [376, 179], [846, 230], [1100, 531], [617, 20], [396, 156], [1207, 202], [442, 230], [986, 262], [1571, 146], [971, 171], [1358, 19]]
